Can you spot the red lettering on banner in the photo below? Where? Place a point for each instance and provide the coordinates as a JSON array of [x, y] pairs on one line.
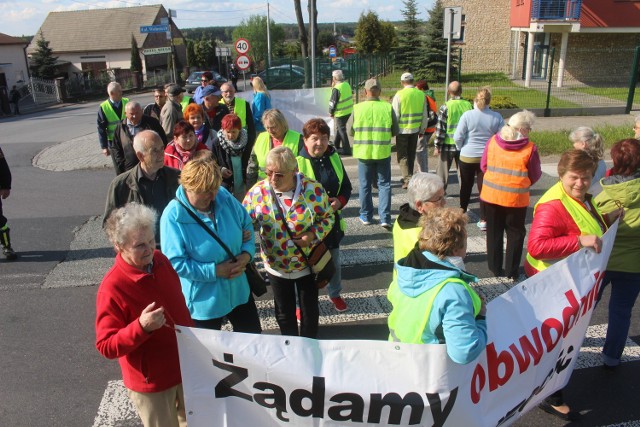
[[547, 326], [494, 362], [528, 350], [478, 381], [571, 313]]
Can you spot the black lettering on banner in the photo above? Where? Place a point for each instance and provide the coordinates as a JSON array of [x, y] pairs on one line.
[[278, 398], [355, 408], [316, 396], [396, 405], [224, 388], [435, 405]]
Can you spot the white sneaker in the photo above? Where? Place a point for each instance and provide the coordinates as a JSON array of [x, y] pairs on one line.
[[482, 225]]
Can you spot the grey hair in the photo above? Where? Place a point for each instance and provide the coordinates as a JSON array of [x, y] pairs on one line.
[[283, 158], [592, 140], [132, 104], [338, 75], [111, 87], [130, 217], [142, 139], [422, 187], [521, 119]]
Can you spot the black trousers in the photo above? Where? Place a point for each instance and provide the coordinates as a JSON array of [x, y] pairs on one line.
[[243, 318], [469, 172], [406, 145], [501, 219], [341, 134], [3, 219], [284, 298]]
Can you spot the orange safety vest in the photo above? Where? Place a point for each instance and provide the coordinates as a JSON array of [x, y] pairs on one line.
[[506, 181]]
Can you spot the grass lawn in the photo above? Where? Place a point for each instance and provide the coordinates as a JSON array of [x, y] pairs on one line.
[[550, 143], [617, 93]]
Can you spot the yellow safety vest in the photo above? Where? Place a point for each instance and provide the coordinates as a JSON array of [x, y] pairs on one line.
[[372, 126], [404, 240], [112, 117], [239, 109], [185, 101], [455, 109], [410, 316], [344, 107], [587, 224], [411, 108], [263, 145]]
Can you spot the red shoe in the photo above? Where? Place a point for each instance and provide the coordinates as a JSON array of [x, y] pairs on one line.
[[339, 304]]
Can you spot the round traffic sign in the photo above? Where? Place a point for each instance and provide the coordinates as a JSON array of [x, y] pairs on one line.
[[242, 46], [243, 62]]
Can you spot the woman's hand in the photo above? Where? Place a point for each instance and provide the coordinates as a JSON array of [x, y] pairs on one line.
[[335, 203], [305, 239], [226, 173], [231, 269], [247, 235], [151, 319], [591, 241], [613, 215]]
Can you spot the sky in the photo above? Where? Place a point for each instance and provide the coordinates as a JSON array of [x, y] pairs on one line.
[[24, 17]]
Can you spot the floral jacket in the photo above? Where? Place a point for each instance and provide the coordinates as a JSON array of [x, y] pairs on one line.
[[311, 211]]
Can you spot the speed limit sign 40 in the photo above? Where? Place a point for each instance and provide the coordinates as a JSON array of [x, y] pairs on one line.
[[243, 62], [242, 46]]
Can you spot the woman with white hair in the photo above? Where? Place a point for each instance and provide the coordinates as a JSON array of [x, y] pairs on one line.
[[473, 132], [584, 138], [425, 192], [138, 304], [511, 165]]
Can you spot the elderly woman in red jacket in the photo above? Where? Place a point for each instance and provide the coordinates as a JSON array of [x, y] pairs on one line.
[[183, 147], [137, 306]]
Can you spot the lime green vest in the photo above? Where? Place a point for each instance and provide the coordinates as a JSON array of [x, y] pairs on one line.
[[411, 108], [455, 109], [587, 224], [372, 125], [185, 101], [404, 240], [410, 316], [305, 167], [239, 109], [263, 146], [112, 117], [345, 104]]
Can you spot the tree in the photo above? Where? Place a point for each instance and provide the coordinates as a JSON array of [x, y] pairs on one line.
[[409, 41], [373, 36], [191, 53], [254, 29], [136, 62], [302, 30], [43, 60], [434, 60], [325, 39], [205, 52]]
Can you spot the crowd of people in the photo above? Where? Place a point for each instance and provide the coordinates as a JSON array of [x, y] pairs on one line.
[[234, 168]]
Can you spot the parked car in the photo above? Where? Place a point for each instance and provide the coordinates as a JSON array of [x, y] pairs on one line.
[[289, 77], [193, 81]]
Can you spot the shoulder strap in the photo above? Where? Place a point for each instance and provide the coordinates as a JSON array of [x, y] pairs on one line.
[[207, 229], [284, 222]]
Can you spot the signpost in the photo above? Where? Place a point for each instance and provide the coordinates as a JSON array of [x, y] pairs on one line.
[[242, 61], [452, 26], [242, 46], [156, 51], [154, 28], [333, 52]]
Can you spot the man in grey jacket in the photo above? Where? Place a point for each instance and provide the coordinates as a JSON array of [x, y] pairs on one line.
[[172, 111]]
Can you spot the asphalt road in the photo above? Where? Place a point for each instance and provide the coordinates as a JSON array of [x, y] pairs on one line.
[[51, 373]]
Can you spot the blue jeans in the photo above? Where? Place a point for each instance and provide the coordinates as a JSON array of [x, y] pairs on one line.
[[335, 286], [625, 288], [368, 170]]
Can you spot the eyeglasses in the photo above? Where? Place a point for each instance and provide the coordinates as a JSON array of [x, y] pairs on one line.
[[204, 80], [271, 173]]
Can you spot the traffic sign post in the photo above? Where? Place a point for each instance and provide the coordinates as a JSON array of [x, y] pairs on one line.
[[243, 62], [154, 28], [242, 46], [333, 52]]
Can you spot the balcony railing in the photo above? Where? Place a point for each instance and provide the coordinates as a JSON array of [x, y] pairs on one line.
[[554, 10]]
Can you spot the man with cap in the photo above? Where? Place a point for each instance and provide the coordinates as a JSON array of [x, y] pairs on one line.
[[110, 113], [410, 107], [374, 124], [240, 108], [172, 111], [448, 117], [213, 110], [124, 155], [340, 108]]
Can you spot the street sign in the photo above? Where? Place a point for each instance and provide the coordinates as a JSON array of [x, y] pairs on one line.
[[156, 51], [452, 22], [223, 51], [243, 62], [242, 46], [333, 52], [154, 28]]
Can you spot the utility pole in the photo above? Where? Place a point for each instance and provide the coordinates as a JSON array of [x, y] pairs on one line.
[[446, 92], [173, 48], [312, 26], [268, 37]]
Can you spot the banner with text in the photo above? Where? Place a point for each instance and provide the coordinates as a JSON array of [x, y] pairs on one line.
[[535, 332]]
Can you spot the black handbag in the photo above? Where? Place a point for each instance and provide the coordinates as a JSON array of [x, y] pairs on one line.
[[257, 282], [319, 259]]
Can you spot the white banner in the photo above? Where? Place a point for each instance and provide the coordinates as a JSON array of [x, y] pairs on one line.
[[535, 333]]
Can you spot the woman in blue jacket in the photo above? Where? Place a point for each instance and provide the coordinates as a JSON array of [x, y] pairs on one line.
[[433, 302], [213, 283]]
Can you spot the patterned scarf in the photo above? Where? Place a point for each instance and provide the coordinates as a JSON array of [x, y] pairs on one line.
[[234, 148]]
